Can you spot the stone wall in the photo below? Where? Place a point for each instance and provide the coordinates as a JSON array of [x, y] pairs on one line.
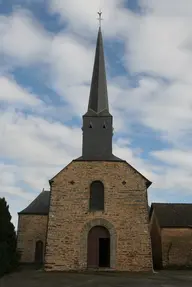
[[31, 228], [126, 215], [176, 247], [155, 232]]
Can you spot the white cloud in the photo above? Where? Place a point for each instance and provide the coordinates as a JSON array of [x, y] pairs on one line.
[[177, 158], [35, 139], [158, 45], [22, 38], [71, 61], [11, 92], [81, 15], [170, 8]]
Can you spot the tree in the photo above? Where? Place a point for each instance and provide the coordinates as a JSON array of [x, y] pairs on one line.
[[9, 256]]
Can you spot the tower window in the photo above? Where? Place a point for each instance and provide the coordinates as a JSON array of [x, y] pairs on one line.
[[104, 126], [96, 200], [90, 125]]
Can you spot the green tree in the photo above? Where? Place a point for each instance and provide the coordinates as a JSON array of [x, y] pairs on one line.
[[9, 256]]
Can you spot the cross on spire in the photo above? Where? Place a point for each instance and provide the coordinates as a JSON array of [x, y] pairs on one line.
[[100, 18]]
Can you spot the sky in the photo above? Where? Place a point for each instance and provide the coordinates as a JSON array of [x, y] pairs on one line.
[[46, 59]]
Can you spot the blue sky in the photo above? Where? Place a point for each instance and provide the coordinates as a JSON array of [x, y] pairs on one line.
[[46, 60]]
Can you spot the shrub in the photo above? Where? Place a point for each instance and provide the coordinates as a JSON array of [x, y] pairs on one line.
[[9, 256]]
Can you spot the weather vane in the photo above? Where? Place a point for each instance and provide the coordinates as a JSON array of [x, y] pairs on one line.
[[100, 19]]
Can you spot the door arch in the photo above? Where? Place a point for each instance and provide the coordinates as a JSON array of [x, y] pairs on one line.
[[39, 252], [98, 247]]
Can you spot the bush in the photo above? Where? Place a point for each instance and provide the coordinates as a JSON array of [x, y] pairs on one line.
[[9, 256]]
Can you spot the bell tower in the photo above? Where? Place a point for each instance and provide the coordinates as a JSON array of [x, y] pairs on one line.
[[98, 122]]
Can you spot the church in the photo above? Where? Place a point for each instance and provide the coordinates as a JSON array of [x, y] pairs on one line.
[[95, 215]]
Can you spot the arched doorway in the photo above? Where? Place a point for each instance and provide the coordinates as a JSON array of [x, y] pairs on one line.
[[98, 247], [39, 252]]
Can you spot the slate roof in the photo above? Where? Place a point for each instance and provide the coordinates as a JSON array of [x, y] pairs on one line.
[[39, 206], [98, 98], [173, 214], [111, 158]]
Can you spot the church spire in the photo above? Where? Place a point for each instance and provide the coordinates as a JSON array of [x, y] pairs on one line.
[[98, 98], [98, 122]]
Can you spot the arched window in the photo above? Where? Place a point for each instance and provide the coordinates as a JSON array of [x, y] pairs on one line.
[[39, 252], [96, 201]]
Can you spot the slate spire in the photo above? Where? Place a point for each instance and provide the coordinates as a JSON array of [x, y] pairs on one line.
[[97, 121], [98, 98]]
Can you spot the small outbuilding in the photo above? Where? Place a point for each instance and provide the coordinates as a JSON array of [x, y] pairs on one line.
[[171, 235]]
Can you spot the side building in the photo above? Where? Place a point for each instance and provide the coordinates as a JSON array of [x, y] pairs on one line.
[[32, 229], [171, 235]]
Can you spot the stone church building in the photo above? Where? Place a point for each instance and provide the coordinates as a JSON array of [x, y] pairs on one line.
[[96, 212]]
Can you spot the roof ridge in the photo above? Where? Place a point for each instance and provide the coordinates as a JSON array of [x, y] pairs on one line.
[[171, 203]]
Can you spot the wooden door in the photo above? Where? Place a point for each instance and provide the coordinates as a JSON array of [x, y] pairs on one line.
[[39, 252], [94, 235]]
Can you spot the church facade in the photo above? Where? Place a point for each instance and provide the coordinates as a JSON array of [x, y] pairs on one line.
[[96, 212]]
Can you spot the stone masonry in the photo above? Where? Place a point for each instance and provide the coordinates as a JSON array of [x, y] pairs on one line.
[[176, 247], [31, 228], [155, 232], [125, 216]]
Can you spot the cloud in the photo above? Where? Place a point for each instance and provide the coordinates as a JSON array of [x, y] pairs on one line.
[[157, 46], [81, 15], [22, 38], [152, 99], [33, 141], [11, 92], [165, 8], [70, 61], [176, 158], [67, 57]]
